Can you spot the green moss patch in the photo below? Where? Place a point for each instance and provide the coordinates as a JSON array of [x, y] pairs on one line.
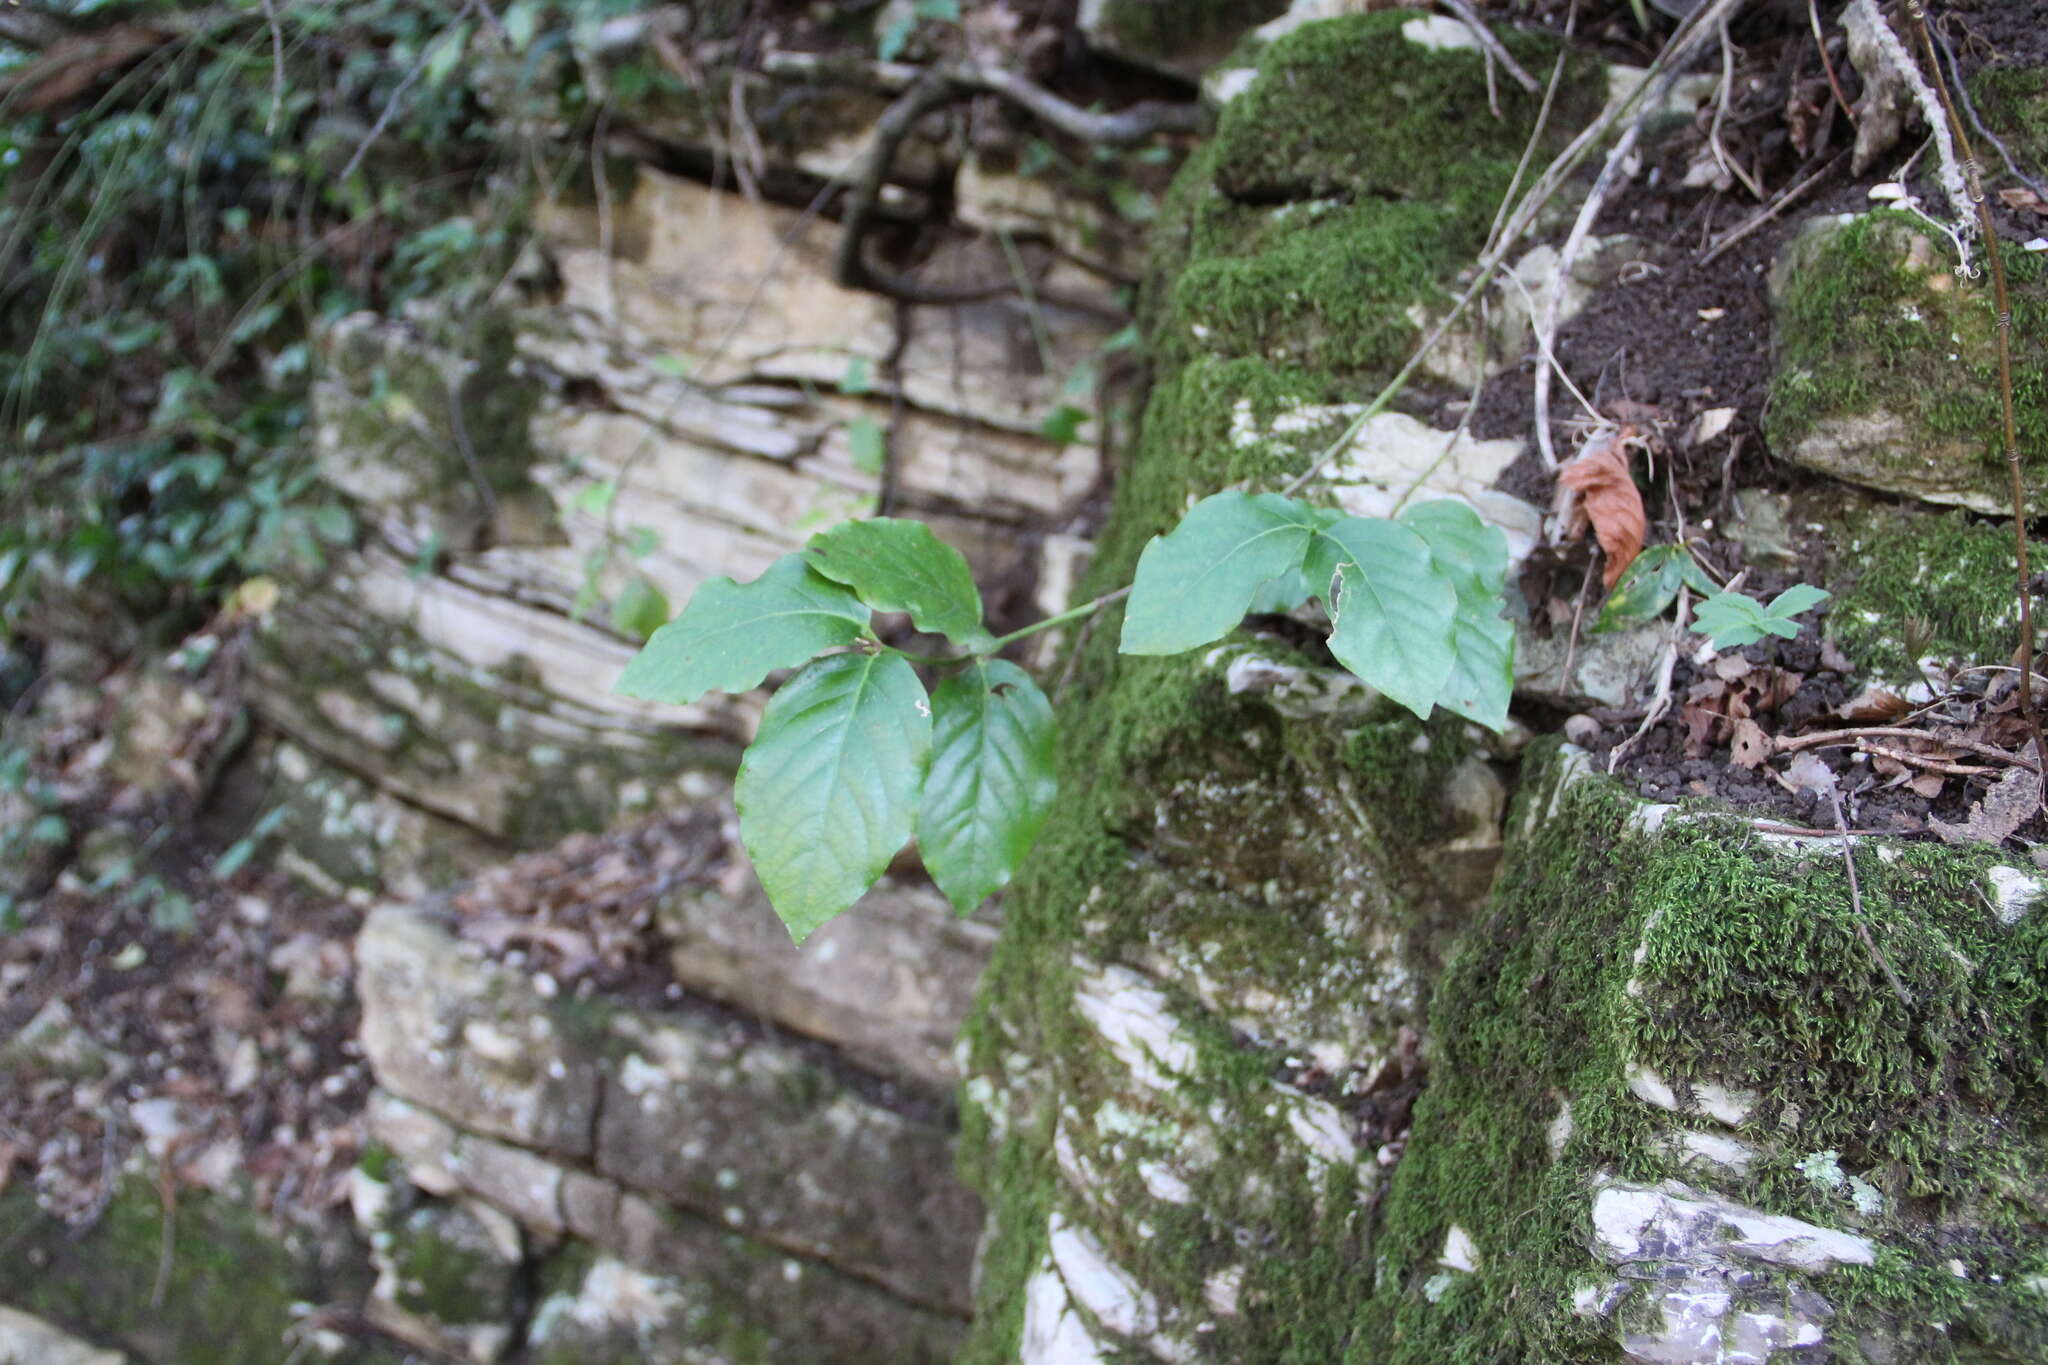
[[1887, 367], [1926, 586], [1713, 957], [2013, 102], [229, 1296], [1351, 107]]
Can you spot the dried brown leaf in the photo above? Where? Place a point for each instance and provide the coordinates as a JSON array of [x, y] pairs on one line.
[[1600, 476], [1874, 705], [2019, 197], [2011, 802], [1751, 746], [1928, 784]]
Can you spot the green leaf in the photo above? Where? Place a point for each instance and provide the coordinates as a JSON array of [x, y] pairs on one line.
[[894, 37], [448, 55], [899, 565], [1283, 594], [828, 790], [1649, 585], [1472, 554], [1482, 680], [946, 10], [1196, 583], [1474, 557], [1063, 424], [858, 378], [868, 443], [596, 498], [991, 784], [733, 635], [1729, 620], [1393, 615], [1796, 599], [640, 609], [522, 22]]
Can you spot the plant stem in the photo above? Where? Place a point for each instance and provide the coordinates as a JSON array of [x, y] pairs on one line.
[[1072, 614], [2002, 303]]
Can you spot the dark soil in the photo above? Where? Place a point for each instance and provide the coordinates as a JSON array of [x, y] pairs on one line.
[[1708, 346]]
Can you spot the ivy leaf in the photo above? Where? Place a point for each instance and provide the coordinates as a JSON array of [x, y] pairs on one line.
[[640, 609], [1283, 594], [732, 635], [991, 784], [899, 565], [868, 444], [1473, 554], [1649, 584], [1474, 557], [828, 790], [1196, 583], [1393, 615]]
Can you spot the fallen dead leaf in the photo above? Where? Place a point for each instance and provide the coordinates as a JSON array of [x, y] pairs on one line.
[[2019, 197], [1600, 476], [1874, 705], [2011, 802], [1751, 746]]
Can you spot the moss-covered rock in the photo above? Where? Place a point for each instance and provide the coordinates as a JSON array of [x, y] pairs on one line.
[[1925, 587], [1671, 996], [1344, 187], [1180, 38], [233, 1285], [1887, 368]]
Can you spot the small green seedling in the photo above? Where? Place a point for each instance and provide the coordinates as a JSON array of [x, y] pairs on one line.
[[1730, 620], [855, 755]]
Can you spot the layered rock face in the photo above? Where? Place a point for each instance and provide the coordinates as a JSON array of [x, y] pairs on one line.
[[1313, 1032], [1303, 1044]]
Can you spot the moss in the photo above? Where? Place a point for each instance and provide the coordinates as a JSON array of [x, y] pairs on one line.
[[1350, 107], [1716, 958], [1870, 320], [447, 1269], [1166, 30], [1019, 1168], [229, 1296], [1931, 586], [2013, 102], [376, 1161]]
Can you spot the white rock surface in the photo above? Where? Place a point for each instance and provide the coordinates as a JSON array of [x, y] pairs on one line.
[[25, 1340]]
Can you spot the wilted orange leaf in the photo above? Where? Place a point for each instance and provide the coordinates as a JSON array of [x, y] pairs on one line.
[[1600, 476]]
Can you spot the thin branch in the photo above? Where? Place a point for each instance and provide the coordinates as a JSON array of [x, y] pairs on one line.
[[1681, 48], [2003, 304], [943, 86], [1856, 902], [1777, 206], [1827, 63], [1728, 165], [1829, 739], [1492, 46]]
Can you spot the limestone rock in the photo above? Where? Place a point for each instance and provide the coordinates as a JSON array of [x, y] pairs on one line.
[[31, 1341], [1180, 39], [740, 1131], [642, 1280], [738, 291], [1886, 363], [445, 1283], [444, 1029], [889, 982], [768, 1144]]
